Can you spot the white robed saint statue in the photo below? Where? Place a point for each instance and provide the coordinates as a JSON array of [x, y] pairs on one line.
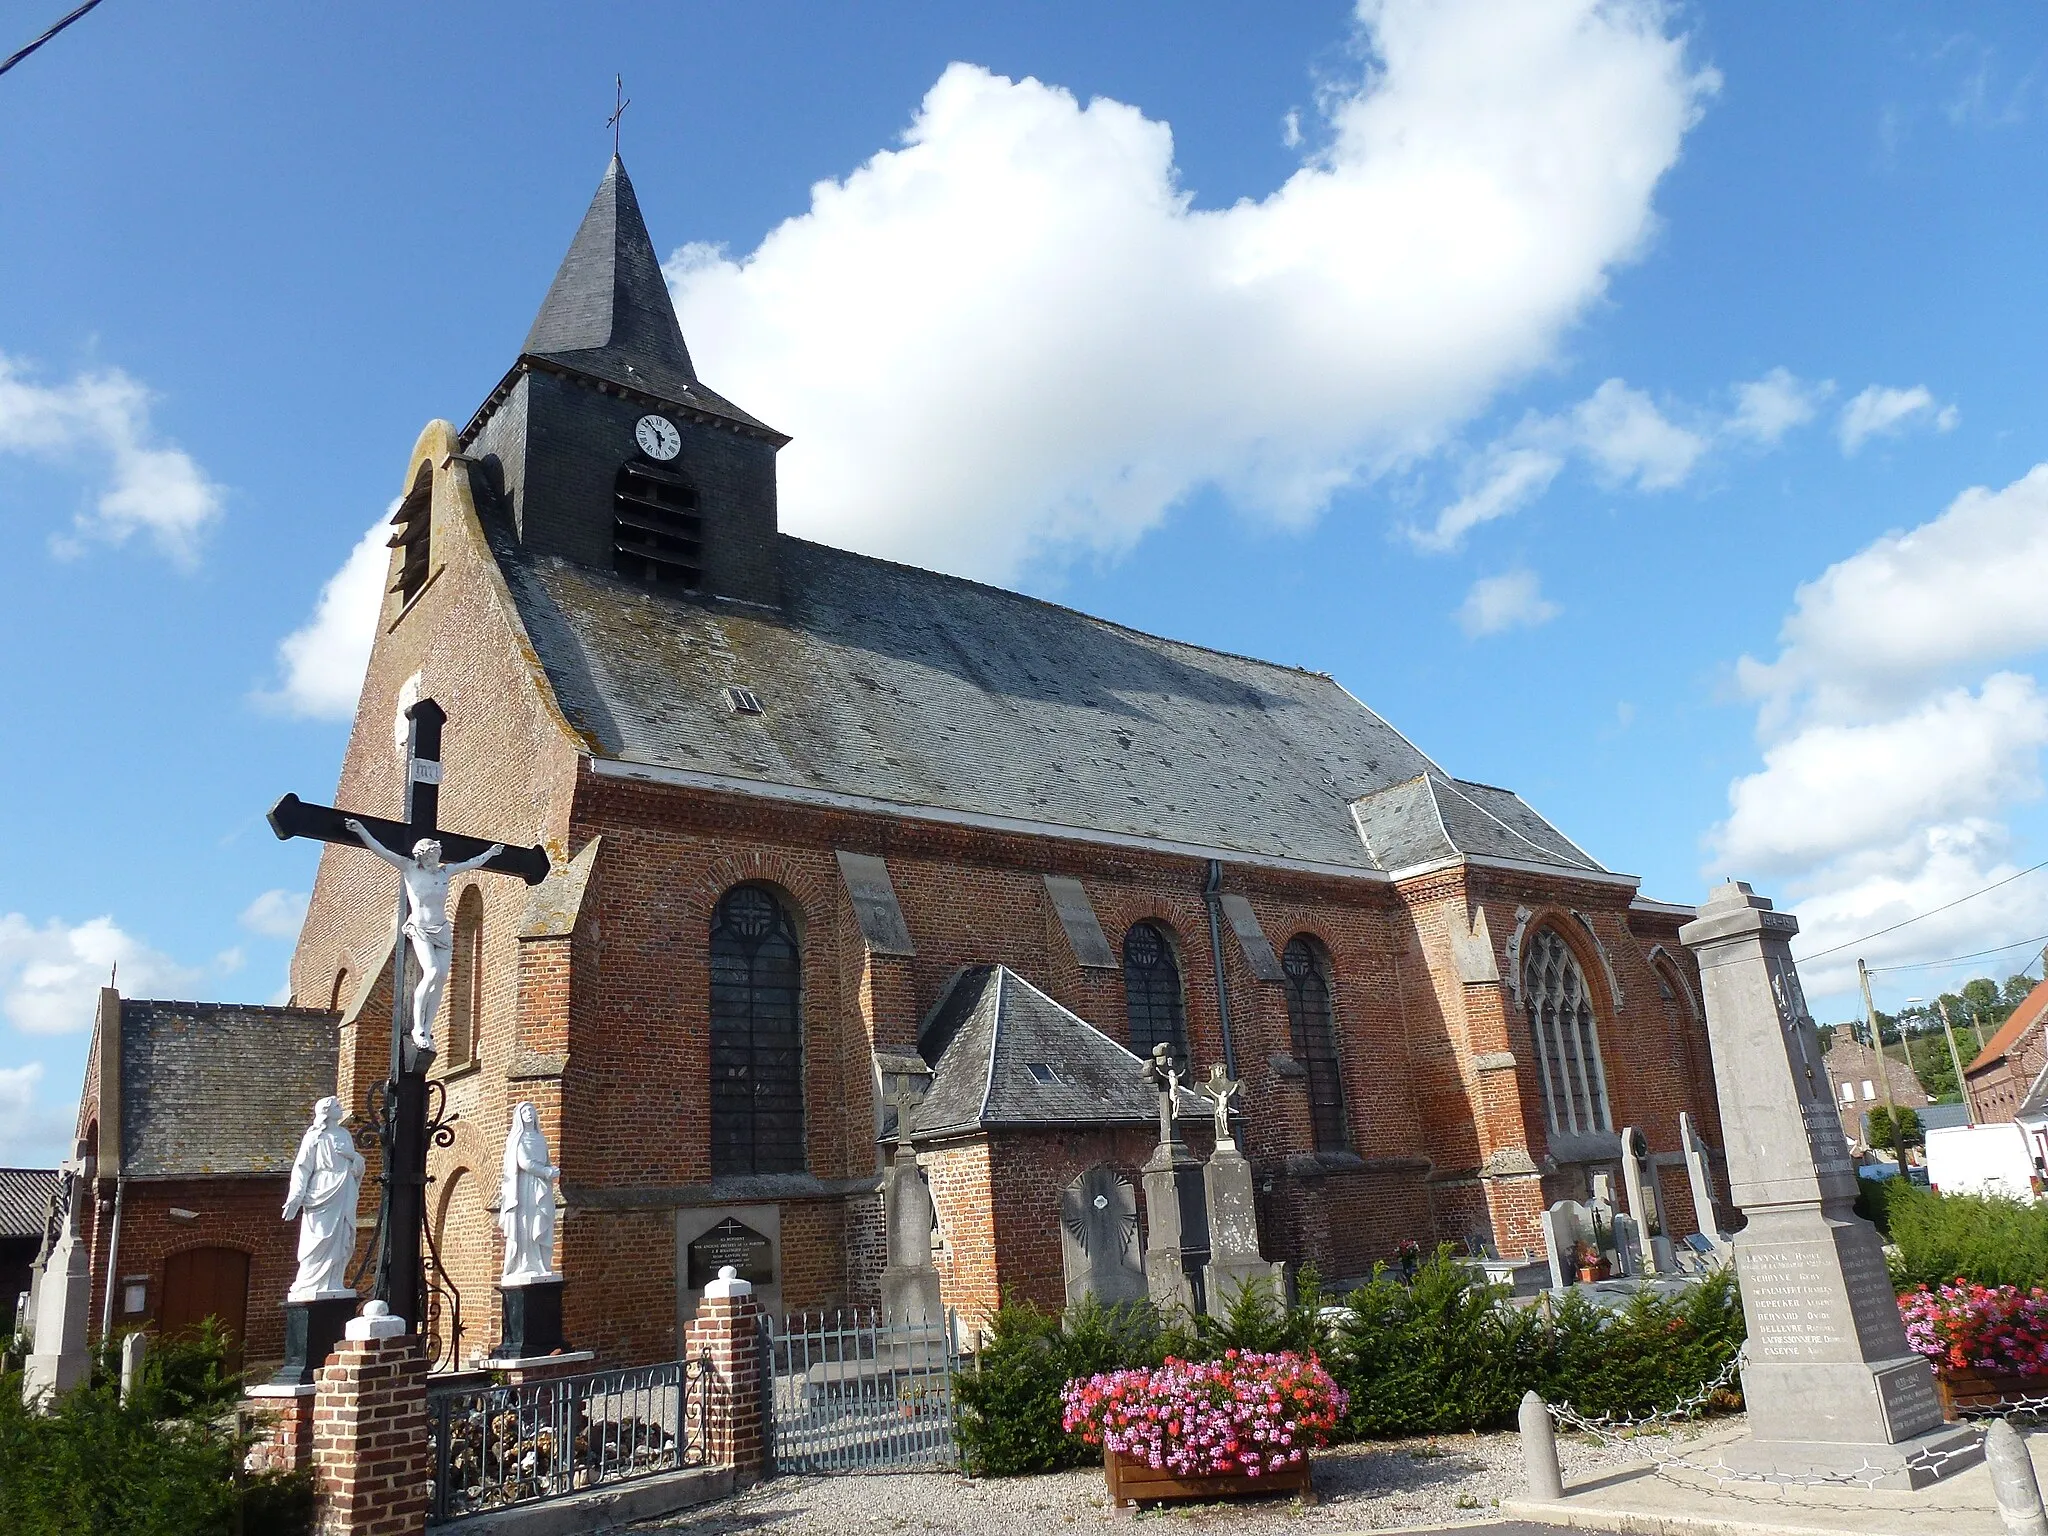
[[327, 1177], [526, 1201]]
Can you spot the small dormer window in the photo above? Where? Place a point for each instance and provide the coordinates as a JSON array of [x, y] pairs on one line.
[[742, 701], [657, 534], [413, 529]]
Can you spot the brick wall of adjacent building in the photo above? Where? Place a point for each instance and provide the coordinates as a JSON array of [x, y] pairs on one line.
[[605, 1028], [1852, 1066]]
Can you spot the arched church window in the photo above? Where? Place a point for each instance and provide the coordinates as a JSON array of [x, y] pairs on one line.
[[1311, 1017], [657, 532], [757, 1055], [413, 525], [1566, 1037], [466, 980], [1152, 998]]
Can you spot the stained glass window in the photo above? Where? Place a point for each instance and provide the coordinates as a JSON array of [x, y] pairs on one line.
[[757, 1048], [1567, 1040], [1312, 1019]]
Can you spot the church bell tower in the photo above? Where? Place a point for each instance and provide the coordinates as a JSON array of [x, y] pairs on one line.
[[602, 446]]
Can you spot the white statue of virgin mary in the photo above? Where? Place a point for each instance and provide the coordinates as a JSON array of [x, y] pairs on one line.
[[327, 1176], [526, 1201]]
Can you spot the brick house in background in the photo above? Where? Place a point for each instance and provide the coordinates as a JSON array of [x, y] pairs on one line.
[[1852, 1069], [191, 1114], [2011, 1065], [794, 795]]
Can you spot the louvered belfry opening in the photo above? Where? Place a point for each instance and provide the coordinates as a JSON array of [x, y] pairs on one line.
[[1152, 996], [412, 532], [1311, 1015], [757, 1048], [657, 532], [1567, 1038]]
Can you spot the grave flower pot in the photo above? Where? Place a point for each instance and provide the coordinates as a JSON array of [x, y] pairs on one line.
[[1964, 1388], [1135, 1482], [1592, 1272], [1988, 1344]]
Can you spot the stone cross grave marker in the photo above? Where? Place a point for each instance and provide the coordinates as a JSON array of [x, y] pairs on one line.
[[1699, 1173], [1832, 1388], [1099, 1238], [910, 1281]]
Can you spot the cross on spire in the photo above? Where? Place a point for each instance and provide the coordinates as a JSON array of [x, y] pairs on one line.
[[620, 101]]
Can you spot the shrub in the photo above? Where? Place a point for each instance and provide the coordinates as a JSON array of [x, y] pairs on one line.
[[1992, 1240], [165, 1463], [1245, 1413], [1653, 1355], [1989, 1328]]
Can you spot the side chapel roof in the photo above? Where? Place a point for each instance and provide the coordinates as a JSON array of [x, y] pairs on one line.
[[212, 1089], [1002, 1053], [2029, 1013], [25, 1200]]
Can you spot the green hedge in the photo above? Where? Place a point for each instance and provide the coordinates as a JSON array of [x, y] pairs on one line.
[[165, 1463], [1990, 1240], [1439, 1354]]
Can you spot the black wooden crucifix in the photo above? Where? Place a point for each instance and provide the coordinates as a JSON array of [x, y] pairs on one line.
[[402, 1119]]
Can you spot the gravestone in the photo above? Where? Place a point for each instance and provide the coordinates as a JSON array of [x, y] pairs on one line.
[[1639, 1178], [750, 1253], [60, 1359], [1699, 1173], [1831, 1386], [910, 1281], [1099, 1238], [1176, 1203], [1628, 1246], [1234, 1258], [1565, 1225]]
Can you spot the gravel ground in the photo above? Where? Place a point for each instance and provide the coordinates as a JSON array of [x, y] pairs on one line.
[[1449, 1479]]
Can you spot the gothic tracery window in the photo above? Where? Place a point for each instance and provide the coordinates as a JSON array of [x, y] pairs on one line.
[[1152, 996], [1311, 1018], [757, 1054], [1567, 1039]]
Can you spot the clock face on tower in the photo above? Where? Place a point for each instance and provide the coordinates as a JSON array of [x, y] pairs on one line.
[[658, 438]]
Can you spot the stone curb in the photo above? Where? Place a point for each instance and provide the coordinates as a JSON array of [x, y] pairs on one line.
[[1580, 1517], [600, 1509]]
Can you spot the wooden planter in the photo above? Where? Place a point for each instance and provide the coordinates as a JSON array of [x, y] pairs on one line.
[[1133, 1482], [1965, 1388]]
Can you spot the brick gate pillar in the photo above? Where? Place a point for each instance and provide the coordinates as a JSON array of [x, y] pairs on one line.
[[727, 1328], [372, 1461]]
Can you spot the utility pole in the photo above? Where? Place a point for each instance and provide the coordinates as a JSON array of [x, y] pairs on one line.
[[1884, 1078], [1957, 1061]]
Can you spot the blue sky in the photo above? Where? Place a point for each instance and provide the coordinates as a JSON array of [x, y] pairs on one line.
[[1589, 387]]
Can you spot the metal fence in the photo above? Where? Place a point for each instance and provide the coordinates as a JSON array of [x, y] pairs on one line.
[[500, 1445], [851, 1392]]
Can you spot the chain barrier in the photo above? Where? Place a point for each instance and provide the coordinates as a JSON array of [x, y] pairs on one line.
[[1622, 1431]]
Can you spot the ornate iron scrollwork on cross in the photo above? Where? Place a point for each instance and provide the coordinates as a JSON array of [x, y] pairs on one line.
[[442, 1327]]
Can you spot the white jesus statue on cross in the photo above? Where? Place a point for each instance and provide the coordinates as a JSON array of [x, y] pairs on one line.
[[426, 918]]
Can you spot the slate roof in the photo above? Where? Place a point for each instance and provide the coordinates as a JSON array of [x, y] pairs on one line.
[[220, 1088], [903, 685], [24, 1200], [608, 313], [987, 1032]]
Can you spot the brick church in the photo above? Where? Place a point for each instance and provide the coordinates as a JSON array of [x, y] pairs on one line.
[[851, 855]]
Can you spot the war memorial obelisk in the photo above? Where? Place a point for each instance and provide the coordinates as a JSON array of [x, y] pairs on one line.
[[1833, 1391]]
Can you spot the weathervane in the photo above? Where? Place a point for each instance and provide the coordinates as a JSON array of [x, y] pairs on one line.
[[621, 102]]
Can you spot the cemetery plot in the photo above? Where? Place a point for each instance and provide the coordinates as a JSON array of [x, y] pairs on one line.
[[856, 1393]]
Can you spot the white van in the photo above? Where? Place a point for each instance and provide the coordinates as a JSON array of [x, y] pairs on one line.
[[1983, 1160]]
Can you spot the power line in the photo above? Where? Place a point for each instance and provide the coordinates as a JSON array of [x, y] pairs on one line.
[[19, 54], [1978, 954], [1930, 912]]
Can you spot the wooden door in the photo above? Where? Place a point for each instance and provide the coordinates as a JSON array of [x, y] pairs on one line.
[[201, 1283]]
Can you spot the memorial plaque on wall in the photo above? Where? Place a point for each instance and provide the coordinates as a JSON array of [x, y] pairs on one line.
[[735, 1243]]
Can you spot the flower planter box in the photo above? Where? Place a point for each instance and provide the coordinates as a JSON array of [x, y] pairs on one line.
[[1965, 1388], [1133, 1483]]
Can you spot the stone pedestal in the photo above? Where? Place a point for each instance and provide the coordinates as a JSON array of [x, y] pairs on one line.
[[1176, 1228], [312, 1327], [1234, 1258], [529, 1320], [1831, 1386], [910, 1281], [60, 1360]]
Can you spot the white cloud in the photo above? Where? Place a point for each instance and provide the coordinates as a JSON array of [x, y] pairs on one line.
[[1621, 430], [323, 660], [1880, 412], [1290, 130], [1016, 333], [1769, 407], [276, 914], [1511, 476], [32, 1134], [1512, 600], [1898, 731], [152, 488], [50, 976]]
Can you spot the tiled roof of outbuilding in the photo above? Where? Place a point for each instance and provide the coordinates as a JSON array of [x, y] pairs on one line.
[[905, 686], [988, 1032], [25, 1200], [220, 1088]]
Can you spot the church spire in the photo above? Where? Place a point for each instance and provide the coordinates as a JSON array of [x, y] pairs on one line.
[[608, 314]]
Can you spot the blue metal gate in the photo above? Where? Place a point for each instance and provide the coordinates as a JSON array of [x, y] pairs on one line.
[[853, 1392]]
